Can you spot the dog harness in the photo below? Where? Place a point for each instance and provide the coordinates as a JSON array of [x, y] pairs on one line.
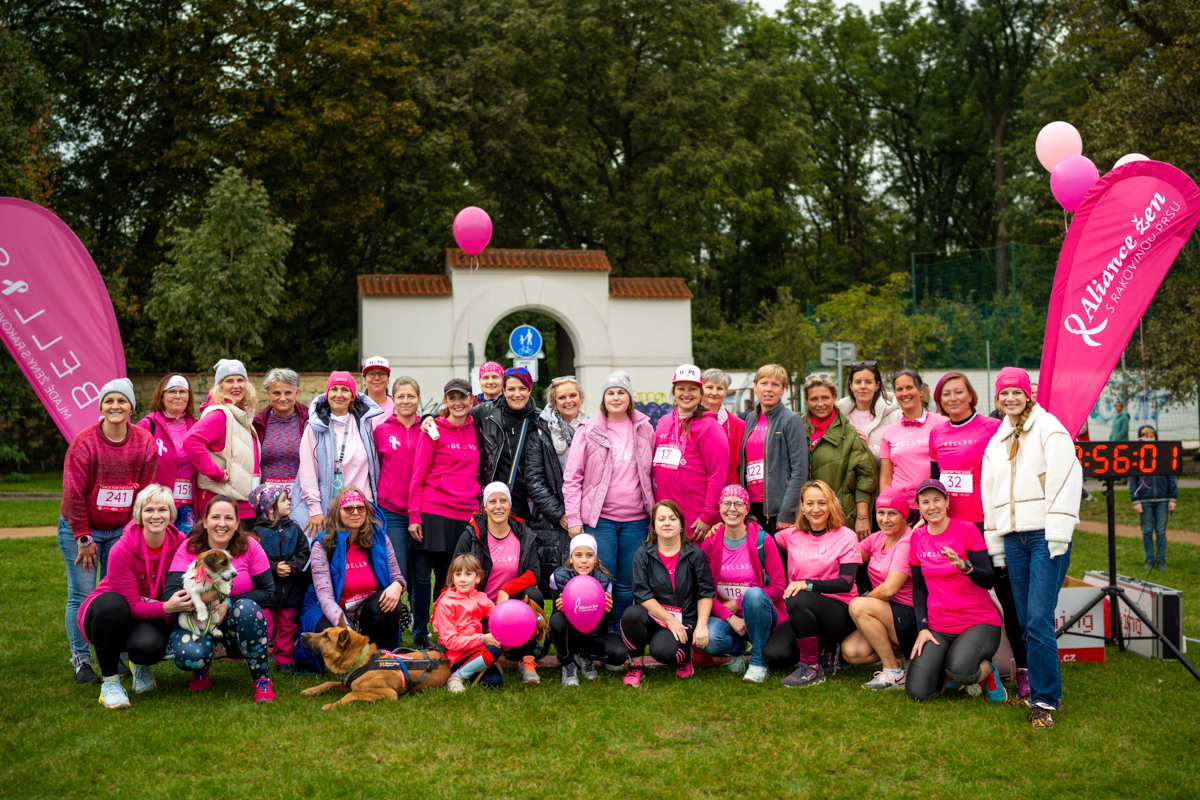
[[387, 660]]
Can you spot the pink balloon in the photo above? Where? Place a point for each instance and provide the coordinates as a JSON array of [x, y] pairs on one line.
[[583, 602], [472, 230], [1125, 159], [513, 623], [1057, 141], [1071, 179]]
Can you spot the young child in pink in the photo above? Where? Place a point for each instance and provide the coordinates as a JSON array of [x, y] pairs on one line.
[[458, 616]]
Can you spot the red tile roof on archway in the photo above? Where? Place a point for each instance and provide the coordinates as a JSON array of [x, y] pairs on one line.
[[404, 286], [649, 288], [532, 259]]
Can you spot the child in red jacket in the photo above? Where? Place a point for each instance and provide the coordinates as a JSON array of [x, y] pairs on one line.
[[458, 616]]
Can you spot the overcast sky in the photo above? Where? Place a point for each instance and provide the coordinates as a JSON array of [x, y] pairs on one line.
[[771, 6]]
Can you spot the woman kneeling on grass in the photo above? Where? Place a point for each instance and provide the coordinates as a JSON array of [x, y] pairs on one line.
[[673, 587], [885, 618], [823, 559], [119, 617], [960, 627], [748, 574], [240, 617]]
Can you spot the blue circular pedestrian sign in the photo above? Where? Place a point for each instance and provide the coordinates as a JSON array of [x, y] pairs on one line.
[[525, 341]]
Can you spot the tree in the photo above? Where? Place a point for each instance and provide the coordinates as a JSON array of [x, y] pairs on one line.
[[223, 281], [26, 160]]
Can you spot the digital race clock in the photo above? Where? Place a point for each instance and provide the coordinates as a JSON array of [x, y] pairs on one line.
[[1125, 459]]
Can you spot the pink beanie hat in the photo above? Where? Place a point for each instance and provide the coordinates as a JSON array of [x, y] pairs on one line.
[[341, 378], [1014, 376], [893, 498]]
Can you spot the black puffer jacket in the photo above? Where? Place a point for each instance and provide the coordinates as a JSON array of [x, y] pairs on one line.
[[489, 424], [544, 479], [693, 579], [474, 541]]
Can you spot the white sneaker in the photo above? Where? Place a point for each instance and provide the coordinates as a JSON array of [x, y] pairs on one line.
[[886, 679], [618, 667], [112, 693], [455, 684], [587, 667], [143, 679], [569, 678], [755, 674], [737, 664]]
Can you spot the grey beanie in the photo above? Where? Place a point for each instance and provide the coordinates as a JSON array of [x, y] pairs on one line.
[[120, 386], [230, 366], [619, 380]]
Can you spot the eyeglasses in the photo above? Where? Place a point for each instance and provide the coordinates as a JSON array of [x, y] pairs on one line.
[[563, 379], [862, 364], [733, 504], [355, 510]]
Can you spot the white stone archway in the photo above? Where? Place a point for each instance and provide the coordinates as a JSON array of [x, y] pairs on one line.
[[423, 323]]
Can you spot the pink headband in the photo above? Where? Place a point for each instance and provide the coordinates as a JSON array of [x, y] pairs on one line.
[[735, 491], [352, 496], [491, 366]]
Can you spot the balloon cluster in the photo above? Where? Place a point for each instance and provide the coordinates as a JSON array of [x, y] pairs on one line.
[[1060, 149]]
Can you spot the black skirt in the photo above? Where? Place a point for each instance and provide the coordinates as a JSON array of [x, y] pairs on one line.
[[441, 534]]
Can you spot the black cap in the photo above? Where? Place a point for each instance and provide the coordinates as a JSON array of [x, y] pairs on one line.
[[932, 483], [457, 385]]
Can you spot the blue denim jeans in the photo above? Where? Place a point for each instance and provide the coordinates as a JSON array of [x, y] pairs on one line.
[[1036, 579], [616, 542], [81, 582], [1154, 520], [397, 533], [760, 616]]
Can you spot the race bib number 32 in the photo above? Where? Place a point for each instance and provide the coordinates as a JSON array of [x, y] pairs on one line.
[[958, 482]]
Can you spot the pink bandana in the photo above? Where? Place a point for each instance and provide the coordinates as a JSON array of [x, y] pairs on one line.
[[736, 492], [352, 496]]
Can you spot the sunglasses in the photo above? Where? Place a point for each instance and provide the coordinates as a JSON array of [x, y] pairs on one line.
[[819, 376], [355, 510], [862, 363], [563, 379]]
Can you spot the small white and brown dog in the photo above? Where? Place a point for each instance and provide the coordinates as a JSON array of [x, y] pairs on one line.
[[211, 572]]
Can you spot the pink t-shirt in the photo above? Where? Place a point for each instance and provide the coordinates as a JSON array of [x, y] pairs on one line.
[[755, 459], [884, 561], [177, 429], [360, 580], [623, 500], [908, 448], [506, 555], [669, 562], [860, 419], [250, 563], [737, 573], [820, 558], [955, 601], [958, 449]]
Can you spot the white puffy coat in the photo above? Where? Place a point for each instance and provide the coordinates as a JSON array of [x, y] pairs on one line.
[[1038, 490]]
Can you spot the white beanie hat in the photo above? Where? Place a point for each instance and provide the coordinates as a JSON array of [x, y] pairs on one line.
[[120, 386], [229, 366]]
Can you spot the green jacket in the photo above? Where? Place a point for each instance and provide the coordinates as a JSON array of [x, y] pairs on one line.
[[842, 460]]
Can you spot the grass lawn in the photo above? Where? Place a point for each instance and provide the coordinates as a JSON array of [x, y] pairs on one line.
[[38, 482], [28, 513], [1129, 728], [1186, 515]]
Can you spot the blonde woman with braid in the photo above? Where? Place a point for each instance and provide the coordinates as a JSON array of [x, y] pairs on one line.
[[1030, 485]]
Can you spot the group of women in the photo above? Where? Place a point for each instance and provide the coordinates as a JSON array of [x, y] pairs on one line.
[[869, 528]]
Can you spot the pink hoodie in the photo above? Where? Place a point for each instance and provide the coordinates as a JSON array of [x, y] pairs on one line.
[[445, 473], [712, 547], [697, 482], [207, 436], [397, 447], [136, 574], [169, 462]]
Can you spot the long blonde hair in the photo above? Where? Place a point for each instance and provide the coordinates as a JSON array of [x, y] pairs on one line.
[[249, 397], [1014, 444]]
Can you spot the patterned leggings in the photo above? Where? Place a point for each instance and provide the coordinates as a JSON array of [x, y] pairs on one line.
[[245, 629]]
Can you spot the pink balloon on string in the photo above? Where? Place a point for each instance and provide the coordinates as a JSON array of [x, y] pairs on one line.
[[1071, 179], [472, 230], [583, 602], [1057, 141], [513, 623]]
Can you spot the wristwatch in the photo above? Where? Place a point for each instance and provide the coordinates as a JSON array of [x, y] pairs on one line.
[[84, 541]]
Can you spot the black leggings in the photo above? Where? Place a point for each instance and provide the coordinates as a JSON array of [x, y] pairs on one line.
[[113, 630], [638, 629], [815, 614], [568, 641], [1012, 625], [781, 650], [956, 656], [381, 627]]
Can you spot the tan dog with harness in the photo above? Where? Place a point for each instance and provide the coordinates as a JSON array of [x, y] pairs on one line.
[[372, 674]]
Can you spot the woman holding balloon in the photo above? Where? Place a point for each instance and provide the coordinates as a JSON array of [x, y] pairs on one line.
[[507, 552], [584, 604]]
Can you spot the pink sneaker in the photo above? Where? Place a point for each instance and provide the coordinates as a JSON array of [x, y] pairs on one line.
[[200, 681], [684, 670], [263, 691], [633, 677]]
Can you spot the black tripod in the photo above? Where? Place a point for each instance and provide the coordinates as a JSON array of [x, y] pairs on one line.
[[1116, 596]]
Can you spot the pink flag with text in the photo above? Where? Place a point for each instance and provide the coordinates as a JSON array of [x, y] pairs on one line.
[[1125, 237], [55, 314]]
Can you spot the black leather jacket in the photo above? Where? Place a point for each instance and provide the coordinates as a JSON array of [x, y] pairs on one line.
[[544, 479]]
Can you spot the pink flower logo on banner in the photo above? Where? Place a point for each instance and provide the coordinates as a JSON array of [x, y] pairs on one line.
[[55, 314], [1125, 237]]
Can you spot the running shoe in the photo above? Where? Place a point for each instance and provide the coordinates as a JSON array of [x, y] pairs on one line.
[[112, 693], [737, 664], [887, 679], [993, 687], [755, 674], [264, 692], [701, 658], [587, 667], [143, 679], [1150, 563], [830, 660], [528, 670], [685, 670], [455, 684], [1039, 717], [617, 667], [805, 675], [285, 669], [569, 678], [123, 670], [633, 676], [1023, 684], [1161, 563], [200, 681], [951, 686], [84, 674]]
